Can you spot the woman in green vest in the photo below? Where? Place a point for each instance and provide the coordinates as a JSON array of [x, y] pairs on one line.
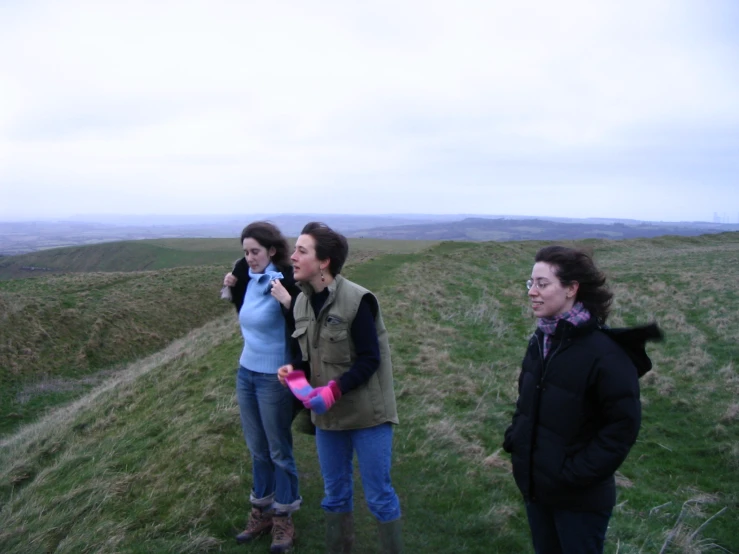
[[345, 350]]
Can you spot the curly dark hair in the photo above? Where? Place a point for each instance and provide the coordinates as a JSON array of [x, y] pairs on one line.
[[330, 245], [268, 235], [572, 265]]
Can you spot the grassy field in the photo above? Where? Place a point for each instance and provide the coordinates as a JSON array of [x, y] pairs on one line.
[[62, 333], [147, 255], [152, 460]]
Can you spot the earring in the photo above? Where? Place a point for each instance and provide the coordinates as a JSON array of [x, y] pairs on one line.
[[323, 279]]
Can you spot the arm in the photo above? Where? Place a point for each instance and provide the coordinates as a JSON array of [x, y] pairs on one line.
[[366, 348], [617, 391], [237, 281], [508, 437]]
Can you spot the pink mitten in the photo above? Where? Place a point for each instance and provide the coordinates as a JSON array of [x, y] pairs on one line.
[[299, 385], [321, 399]]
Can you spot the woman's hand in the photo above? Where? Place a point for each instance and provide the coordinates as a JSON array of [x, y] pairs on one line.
[[280, 293], [230, 280], [283, 372]]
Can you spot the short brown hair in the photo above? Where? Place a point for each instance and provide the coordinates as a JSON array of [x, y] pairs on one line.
[[330, 245]]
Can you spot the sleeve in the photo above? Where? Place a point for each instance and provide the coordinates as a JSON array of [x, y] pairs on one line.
[[617, 391], [508, 436], [292, 288], [366, 348], [238, 291]]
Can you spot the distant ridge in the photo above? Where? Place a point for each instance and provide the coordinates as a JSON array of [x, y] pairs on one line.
[[29, 236]]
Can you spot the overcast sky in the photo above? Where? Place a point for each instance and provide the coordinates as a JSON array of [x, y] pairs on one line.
[[571, 108]]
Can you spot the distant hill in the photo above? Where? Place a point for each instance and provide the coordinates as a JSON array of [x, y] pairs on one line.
[[145, 255], [137, 255], [30, 236], [484, 229]]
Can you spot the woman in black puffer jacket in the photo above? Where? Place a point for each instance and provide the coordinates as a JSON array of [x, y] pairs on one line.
[[578, 412]]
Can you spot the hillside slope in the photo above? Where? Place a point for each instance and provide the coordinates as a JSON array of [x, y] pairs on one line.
[[156, 463], [147, 255], [60, 332]]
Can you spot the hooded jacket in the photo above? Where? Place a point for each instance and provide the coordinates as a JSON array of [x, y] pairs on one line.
[[578, 414]]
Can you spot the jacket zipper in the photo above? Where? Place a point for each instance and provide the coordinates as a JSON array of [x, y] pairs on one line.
[[540, 389]]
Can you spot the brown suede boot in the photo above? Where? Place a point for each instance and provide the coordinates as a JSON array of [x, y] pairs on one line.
[[339, 532], [258, 524], [283, 533]]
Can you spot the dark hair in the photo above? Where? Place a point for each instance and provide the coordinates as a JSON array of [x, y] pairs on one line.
[[330, 245], [575, 265], [268, 235]]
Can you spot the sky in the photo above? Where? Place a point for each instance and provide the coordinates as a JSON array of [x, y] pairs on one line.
[[576, 108]]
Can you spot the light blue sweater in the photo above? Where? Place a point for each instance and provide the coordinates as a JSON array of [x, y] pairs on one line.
[[262, 325]]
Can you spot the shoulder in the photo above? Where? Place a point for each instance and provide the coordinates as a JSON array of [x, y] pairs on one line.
[[288, 277], [608, 355], [357, 295], [241, 270]]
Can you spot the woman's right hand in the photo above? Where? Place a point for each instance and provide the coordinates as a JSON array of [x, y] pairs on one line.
[[283, 372], [229, 280]]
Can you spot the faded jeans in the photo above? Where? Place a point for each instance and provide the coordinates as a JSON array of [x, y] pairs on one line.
[[266, 417], [373, 446]]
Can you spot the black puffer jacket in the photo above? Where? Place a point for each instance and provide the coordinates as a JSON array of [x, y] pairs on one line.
[[578, 414]]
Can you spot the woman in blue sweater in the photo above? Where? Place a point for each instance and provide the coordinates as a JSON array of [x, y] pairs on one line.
[[262, 289]]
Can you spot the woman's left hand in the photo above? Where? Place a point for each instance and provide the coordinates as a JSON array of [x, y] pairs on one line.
[[280, 293]]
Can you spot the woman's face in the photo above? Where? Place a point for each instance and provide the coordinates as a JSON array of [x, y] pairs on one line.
[[257, 256], [549, 298], [306, 266]]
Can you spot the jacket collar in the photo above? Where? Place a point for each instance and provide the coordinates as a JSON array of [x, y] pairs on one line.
[[309, 291]]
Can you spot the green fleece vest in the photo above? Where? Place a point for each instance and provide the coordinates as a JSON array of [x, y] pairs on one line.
[[326, 342]]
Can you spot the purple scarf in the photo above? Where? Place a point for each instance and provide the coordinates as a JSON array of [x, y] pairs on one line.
[[578, 315]]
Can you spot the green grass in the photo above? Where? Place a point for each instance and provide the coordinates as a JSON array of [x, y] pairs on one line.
[[154, 254], [155, 461], [62, 334]]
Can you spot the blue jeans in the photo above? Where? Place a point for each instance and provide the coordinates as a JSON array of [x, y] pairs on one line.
[[266, 416], [558, 531], [374, 452]]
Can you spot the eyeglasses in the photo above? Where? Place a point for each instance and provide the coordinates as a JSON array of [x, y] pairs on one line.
[[530, 284]]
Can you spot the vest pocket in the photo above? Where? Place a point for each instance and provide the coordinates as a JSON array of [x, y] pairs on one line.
[[301, 335], [334, 346]]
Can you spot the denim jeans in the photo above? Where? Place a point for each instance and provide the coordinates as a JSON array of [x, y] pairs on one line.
[[558, 531], [374, 452], [266, 416]]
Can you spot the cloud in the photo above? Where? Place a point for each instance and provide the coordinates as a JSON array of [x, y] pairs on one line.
[[159, 104]]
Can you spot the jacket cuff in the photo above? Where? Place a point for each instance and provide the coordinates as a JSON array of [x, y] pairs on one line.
[[335, 390]]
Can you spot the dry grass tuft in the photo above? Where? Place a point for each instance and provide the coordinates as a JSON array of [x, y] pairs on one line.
[[448, 432], [495, 460], [663, 384], [623, 481], [731, 413]]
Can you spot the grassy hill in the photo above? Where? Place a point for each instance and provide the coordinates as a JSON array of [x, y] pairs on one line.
[[62, 334], [154, 461], [143, 255], [67, 329]]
